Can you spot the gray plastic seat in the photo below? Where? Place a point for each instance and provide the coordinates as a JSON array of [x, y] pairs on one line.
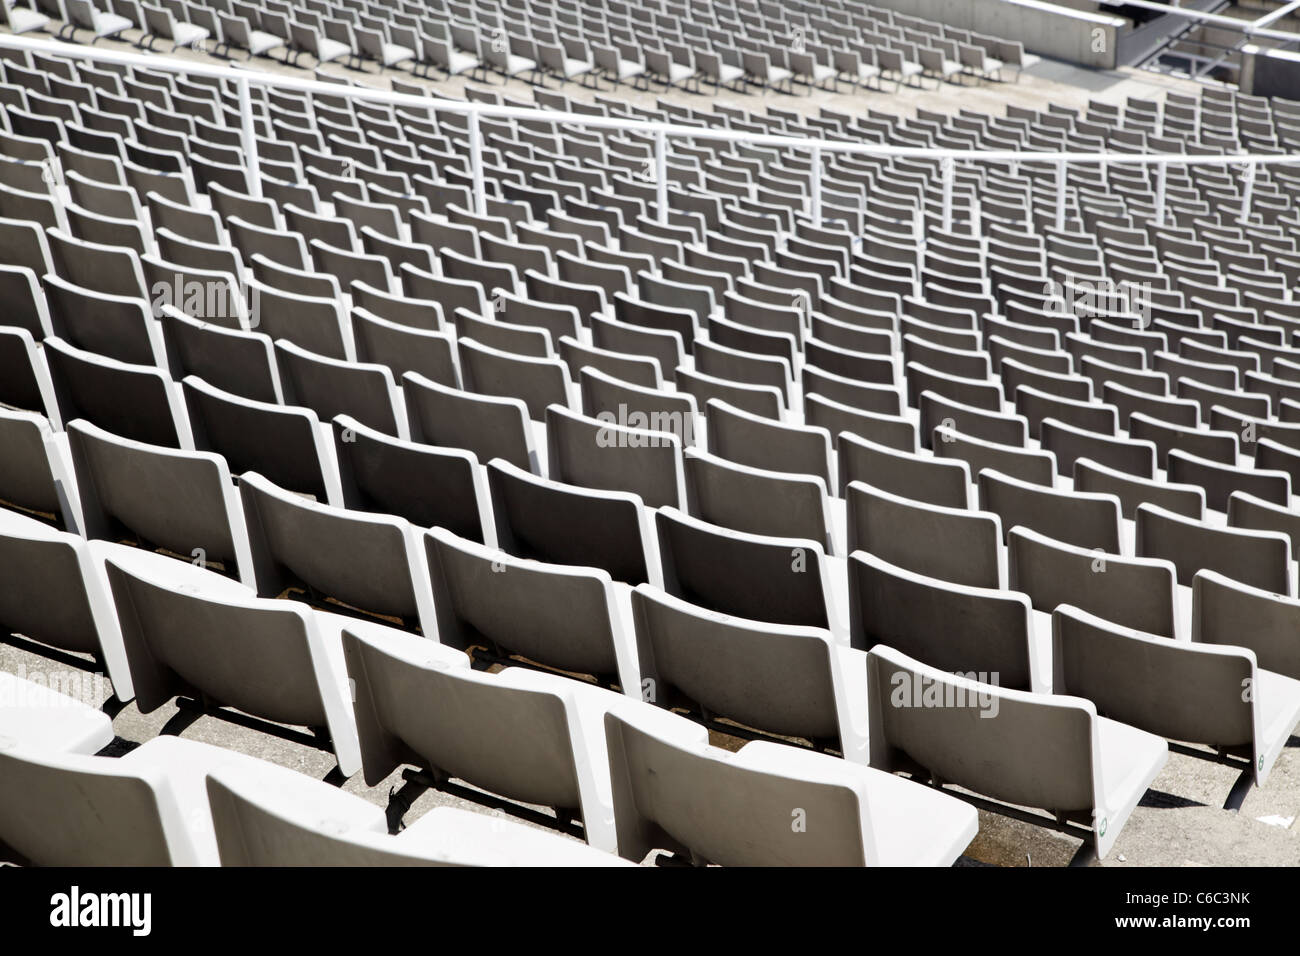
[[305, 545], [1133, 592], [1091, 477], [183, 502], [951, 544], [865, 396], [1069, 443], [35, 473], [272, 816], [759, 577], [1222, 481], [785, 680], [759, 442], [313, 323], [187, 630], [1250, 512], [756, 501], [1225, 611], [517, 733], [978, 393], [428, 486], [574, 615], [488, 426], [119, 327], [239, 362], [633, 367], [113, 270], [563, 524], [1260, 559], [330, 387], [1003, 429], [287, 444], [537, 382], [915, 614], [200, 294], [674, 791], [919, 477], [636, 406], [54, 591], [134, 401], [1030, 750], [1220, 446], [1038, 467], [145, 808], [1075, 517], [27, 307], [765, 400], [1143, 680], [404, 349], [599, 453]]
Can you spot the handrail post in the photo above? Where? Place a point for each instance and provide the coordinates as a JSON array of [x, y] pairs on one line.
[[1060, 195], [816, 202], [661, 174], [948, 169], [476, 164], [1161, 172], [248, 135], [1247, 192]]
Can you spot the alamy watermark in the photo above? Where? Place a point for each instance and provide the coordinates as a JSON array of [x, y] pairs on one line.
[[638, 429], [71, 687], [917, 690]]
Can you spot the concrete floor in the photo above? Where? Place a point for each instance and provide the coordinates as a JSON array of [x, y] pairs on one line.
[[1180, 821]]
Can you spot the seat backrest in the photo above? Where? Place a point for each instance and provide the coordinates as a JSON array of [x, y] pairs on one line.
[[489, 426], [297, 543], [134, 401], [952, 544], [757, 501], [600, 453], [1261, 559], [1144, 680], [1227, 612], [775, 678], [913, 613], [754, 440], [1085, 520], [331, 387], [507, 734], [672, 790], [572, 622], [537, 382], [1038, 467], [778, 580], [564, 524], [228, 636], [1033, 750], [74, 810], [426, 485], [183, 501], [1135, 592]]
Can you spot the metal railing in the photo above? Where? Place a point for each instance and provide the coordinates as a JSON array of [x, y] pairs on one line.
[[1255, 28], [245, 79]]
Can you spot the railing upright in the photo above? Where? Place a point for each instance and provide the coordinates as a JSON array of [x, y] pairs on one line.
[[248, 135], [949, 171], [1247, 192], [475, 164], [661, 175]]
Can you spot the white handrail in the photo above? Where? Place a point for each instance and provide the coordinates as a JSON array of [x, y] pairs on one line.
[[1250, 27], [246, 78]]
